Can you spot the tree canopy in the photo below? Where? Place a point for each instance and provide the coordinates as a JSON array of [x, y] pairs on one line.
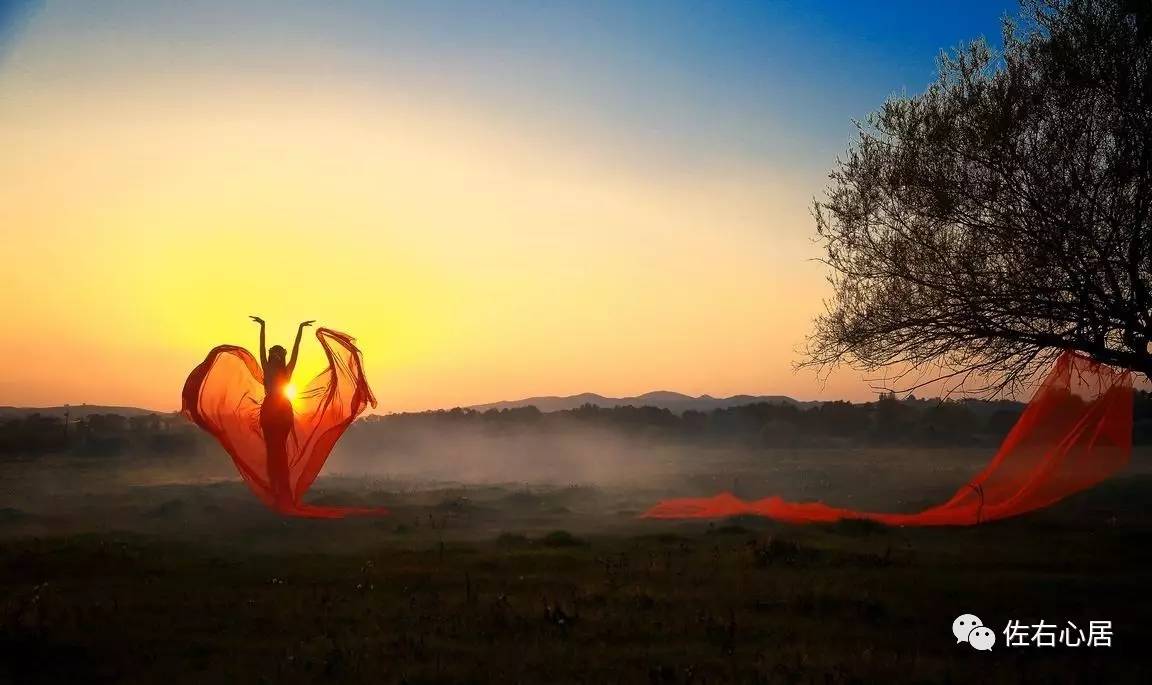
[[977, 229]]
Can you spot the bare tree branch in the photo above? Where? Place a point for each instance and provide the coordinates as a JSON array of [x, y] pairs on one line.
[[1004, 214]]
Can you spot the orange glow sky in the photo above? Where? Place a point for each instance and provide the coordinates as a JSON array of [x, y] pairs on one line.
[[594, 221]]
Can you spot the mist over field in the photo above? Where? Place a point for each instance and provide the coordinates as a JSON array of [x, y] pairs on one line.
[[521, 534], [481, 474]]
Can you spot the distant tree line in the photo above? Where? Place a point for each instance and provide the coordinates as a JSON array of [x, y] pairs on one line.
[[99, 435], [888, 421]]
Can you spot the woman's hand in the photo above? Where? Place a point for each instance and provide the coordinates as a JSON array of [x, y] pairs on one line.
[[307, 323], [257, 320]]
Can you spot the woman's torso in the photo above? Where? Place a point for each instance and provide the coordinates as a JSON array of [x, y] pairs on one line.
[[275, 382]]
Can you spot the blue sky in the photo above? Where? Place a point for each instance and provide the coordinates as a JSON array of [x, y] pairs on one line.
[[514, 198], [679, 81]]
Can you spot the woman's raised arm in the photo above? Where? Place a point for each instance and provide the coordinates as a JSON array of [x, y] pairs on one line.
[[263, 348], [296, 345]]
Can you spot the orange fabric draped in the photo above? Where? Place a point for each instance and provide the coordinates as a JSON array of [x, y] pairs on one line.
[[1075, 432], [224, 395]]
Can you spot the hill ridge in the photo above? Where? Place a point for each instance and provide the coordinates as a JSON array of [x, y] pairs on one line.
[[663, 399]]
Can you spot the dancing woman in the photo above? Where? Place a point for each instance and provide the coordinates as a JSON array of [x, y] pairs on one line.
[[276, 418], [279, 439]]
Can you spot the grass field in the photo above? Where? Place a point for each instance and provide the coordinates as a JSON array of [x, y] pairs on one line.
[[134, 571]]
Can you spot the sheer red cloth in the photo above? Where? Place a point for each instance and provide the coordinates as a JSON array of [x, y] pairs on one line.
[[1075, 432], [279, 444]]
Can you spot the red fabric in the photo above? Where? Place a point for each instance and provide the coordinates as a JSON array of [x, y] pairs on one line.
[[224, 395], [1075, 432]]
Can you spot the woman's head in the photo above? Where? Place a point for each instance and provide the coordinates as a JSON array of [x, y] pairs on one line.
[[276, 354]]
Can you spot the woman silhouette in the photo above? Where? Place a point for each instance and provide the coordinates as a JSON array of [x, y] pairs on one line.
[[276, 418], [278, 438]]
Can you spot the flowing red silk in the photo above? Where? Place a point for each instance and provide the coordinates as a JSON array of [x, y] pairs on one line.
[[224, 395], [1075, 432]]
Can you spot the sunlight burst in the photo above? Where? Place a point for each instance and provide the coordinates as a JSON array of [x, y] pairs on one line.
[[290, 392]]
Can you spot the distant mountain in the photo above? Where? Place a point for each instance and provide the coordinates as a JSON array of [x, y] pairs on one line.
[[74, 411], [664, 399]]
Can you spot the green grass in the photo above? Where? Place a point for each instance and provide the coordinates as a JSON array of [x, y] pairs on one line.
[[215, 590]]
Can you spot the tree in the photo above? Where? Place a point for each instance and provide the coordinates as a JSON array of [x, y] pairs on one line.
[[1003, 215]]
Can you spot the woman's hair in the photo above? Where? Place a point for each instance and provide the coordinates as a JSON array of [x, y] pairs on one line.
[[277, 351]]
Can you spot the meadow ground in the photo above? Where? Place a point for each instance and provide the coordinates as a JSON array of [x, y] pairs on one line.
[[153, 571]]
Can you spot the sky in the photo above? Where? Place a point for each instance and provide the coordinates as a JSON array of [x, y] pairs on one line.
[[497, 199]]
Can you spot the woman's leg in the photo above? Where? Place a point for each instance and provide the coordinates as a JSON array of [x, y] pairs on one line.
[[276, 431]]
